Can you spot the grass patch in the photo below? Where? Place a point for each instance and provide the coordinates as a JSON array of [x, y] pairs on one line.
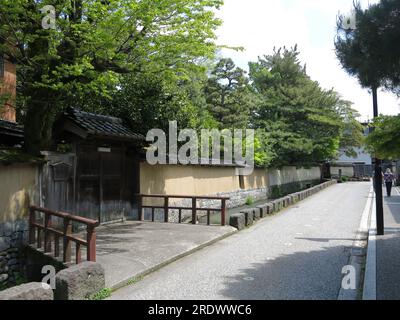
[[134, 280], [249, 201], [101, 295], [344, 179]]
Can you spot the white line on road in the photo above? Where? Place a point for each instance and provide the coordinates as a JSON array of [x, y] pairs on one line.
[[369, 292], [359, 242]]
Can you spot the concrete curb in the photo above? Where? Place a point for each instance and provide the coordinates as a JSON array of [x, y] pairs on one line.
[[358, 253], [140, 275], [369, 292]]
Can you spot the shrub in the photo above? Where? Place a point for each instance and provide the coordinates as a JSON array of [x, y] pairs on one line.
[[249, 201]]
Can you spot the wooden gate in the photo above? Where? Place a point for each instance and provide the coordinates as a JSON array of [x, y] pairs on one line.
[[57, 182], [94, 184], [105, 183]]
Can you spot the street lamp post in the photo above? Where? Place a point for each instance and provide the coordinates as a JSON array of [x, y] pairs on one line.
[[378, 177], [349, 25]]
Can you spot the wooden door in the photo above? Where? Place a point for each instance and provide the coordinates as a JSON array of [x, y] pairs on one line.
[[57, 183], [111, 186], [88, 182]]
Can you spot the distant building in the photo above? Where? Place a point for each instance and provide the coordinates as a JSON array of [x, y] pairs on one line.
[[358, 166]]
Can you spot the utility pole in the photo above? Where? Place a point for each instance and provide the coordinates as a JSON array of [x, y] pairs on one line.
[[378, 177]]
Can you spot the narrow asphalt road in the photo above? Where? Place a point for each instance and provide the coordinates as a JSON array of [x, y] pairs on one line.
[[296, 254]]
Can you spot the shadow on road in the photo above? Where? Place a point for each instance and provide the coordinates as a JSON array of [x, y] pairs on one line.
[[310, 275], [326, 240], [393, 203]]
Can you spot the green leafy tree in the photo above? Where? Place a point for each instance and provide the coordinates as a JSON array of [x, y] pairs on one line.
[[228, 95], [150, 101], [371, 51], [383, 141], [302, 120], [352, 133], [93, 43]]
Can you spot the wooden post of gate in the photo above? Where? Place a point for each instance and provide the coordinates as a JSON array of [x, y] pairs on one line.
[[31, 226], [91, 244], [223, 212], [140, 210], [47, 235], [194, 213], [166, 217]]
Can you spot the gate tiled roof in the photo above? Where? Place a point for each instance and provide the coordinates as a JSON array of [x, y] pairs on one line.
[[100, 125]]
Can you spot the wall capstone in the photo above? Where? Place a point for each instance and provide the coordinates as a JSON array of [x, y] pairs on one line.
[[28, 291]]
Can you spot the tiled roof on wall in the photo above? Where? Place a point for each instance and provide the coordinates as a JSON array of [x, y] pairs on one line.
[[99, 125]]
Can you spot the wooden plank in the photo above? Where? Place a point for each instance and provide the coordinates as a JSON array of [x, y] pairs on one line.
[[223, 212], [67, 241], [140, 208], [66, 215], [39, 239], [194, 211], [32, 230], [56, 246], [91, 241], [166, 209], [47, 234], [162, 196]]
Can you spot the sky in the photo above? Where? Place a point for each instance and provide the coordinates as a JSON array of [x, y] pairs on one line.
[[261, 25]]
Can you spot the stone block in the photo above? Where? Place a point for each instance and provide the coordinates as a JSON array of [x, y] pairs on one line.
[[256, 214], [263, 211], [270, 208], [238, 221], [279, 203], [80, 281], [28, 291], [275, 207], [249, 216]]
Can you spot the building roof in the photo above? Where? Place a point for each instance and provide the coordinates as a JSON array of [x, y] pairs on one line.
[[11, 133], [102, 126]]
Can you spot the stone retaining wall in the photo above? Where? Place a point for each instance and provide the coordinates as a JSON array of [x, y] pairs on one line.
[[247, 217], [13, 236], [18, 190]]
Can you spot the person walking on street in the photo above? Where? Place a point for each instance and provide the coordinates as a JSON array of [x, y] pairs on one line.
[[389, 180]]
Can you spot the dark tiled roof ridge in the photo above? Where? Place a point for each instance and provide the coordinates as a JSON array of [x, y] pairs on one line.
[[11, 125], [74, 111], [102, 125]]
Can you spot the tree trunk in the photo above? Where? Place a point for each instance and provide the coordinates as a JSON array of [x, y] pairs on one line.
[[38, 126]]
